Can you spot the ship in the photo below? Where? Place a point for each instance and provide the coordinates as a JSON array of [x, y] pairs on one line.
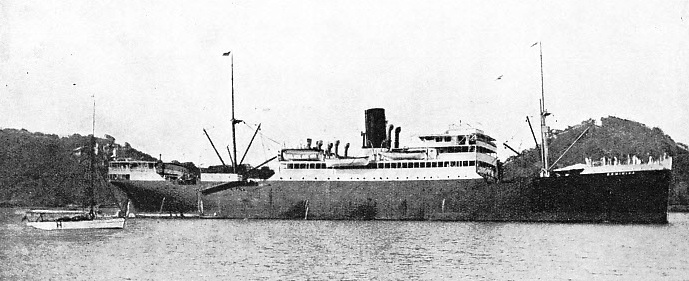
[[453, 175]]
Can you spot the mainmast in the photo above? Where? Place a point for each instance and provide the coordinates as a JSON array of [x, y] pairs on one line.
[[544, 128]]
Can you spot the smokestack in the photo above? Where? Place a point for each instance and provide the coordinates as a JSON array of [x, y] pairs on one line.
[[346, 148], [337, 144], [330, 147], [375, 128], [397, 137], [388, 141], [308, 143], [319, 144]]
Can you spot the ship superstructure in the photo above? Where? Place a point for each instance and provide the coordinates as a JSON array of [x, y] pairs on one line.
[[459, 153], [121, 169]]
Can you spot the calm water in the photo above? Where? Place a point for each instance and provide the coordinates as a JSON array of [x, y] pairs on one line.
[[324, 250]]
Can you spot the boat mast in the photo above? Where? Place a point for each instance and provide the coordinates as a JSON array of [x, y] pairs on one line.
[[234, 121], [92, 155], [544, 128]]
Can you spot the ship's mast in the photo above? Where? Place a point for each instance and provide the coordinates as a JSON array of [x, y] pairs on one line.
[[544, 128], [233, 155], [234, 121]]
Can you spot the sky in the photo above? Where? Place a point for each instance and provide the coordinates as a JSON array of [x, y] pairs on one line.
[[309, 69]]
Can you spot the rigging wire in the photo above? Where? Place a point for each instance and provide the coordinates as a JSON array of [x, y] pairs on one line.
[[263, 145], [263, 138], [262, 134]]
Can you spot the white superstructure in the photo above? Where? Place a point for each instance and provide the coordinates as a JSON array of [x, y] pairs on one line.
[[127, 169], [137, 170], [464, 153]]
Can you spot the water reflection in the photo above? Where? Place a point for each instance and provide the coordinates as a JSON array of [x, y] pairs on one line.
[[256, 249]]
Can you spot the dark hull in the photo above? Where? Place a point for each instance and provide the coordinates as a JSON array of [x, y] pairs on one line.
[[635, 198], [632, 198]]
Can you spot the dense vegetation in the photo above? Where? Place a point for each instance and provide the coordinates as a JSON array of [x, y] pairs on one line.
[[46, 170], [614, 138]]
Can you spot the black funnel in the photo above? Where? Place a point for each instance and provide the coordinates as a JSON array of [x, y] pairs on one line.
[[375, 128]]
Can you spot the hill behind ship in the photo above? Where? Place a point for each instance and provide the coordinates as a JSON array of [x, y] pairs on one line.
[[611, 138], [47, 170]]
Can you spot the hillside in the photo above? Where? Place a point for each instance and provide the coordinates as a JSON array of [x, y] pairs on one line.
[[46, 170], [613, 138]]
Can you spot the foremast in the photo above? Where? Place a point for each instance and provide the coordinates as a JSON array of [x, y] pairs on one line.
[[545, 171], [235, 166], [234, 120]]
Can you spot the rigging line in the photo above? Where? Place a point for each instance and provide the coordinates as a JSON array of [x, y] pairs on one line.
[[263, 145], [276, 142], [261, 133]]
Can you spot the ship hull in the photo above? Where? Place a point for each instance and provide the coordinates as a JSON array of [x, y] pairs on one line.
[[112, 223], [632, 198], [159, 196]]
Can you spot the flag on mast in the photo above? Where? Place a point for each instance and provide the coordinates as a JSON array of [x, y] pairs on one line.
[[226, 54]]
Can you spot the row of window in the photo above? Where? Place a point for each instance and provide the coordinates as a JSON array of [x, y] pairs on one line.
[[459, 139], [434, 164], [456, 139], [310, 156], [133, 165], [484, 150], [456, 149], [460, 149], [393, 165], [118, 177], [375, 178], [453, 149]]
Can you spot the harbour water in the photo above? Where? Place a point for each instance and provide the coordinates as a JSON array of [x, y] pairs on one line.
[[197, 249]]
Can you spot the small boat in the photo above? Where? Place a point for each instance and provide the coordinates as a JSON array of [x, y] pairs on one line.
[[346, 163], [70, 219], [63, 219], [404, 155]]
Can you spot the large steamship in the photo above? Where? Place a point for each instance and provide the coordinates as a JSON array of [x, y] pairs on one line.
[[454, 175]]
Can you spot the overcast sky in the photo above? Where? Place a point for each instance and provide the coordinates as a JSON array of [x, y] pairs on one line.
[[311, 68]]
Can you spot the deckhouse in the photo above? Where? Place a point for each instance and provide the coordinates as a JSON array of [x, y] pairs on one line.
[[460, 152]]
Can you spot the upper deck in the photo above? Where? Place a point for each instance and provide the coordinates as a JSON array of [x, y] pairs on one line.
[[456, 153], [128, 169]]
